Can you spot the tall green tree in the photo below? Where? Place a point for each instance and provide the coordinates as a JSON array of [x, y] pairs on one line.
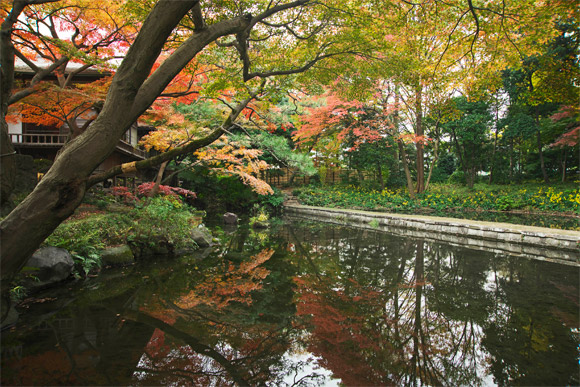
[[469, 134]]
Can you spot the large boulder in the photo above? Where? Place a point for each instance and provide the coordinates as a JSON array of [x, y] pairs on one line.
[[117, 256], [202, 237], [47, 266], [230, 218]]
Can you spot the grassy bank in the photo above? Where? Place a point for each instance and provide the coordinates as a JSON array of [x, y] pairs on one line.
[[140, 223], [529, 198]]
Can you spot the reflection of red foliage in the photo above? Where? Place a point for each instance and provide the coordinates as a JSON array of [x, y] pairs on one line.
[[343, 334]]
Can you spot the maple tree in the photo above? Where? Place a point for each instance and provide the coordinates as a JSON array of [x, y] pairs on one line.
[[48, 36], [136, 85], [430, 51]]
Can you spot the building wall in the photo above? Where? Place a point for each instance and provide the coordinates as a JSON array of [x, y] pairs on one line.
[[15, 128]]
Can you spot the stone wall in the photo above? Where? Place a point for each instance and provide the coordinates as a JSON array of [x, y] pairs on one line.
[[554, 245]]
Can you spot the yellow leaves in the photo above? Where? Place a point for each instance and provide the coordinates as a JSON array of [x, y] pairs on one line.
[[233, 159]]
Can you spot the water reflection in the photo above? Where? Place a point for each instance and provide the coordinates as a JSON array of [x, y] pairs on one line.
[[308, 304]]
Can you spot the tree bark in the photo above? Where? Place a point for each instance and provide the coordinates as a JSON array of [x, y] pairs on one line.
[[402, 151], [564, 157], [492, 164], [403, 154], [541, 154], [511, 174], [433, 164], [419, 132], [155, 190], [7, 165], [538, 134], [380, 172], [131, 93]]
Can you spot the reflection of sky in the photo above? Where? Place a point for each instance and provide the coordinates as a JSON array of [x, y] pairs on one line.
[[306, 366]]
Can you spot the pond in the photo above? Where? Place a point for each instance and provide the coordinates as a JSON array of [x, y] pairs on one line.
[[306, 303]]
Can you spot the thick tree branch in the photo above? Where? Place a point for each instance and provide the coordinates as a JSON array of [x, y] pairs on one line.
[[264, 74], [197, 18], [476, 33], [190, 147], [157, 82]]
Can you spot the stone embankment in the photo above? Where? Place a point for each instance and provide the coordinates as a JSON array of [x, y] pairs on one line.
[[547, 244]]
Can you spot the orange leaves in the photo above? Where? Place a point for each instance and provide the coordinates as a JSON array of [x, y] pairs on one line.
[[229, 283], [53, 105], [230, 158], [325, 119], [409, 138], [85, 31]]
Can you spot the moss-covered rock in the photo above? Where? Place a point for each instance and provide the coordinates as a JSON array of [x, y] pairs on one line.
[[201, 236], [117, 256]]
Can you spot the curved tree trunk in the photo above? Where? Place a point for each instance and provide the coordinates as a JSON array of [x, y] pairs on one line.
[[132, 91]]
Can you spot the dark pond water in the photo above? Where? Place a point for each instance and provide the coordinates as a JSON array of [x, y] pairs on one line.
[[306, 304]]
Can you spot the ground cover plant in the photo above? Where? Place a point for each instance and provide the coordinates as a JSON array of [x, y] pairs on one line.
[[123, 217], [560, 199]]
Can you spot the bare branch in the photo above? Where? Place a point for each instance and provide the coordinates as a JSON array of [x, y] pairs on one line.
[[296, 70], [39, 76], [476, 34]]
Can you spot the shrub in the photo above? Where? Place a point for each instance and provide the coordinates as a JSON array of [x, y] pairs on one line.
[[163, 218], [273, 201], [457, 177]]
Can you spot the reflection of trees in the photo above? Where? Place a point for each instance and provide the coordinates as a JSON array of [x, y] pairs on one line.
[[228, 326], [374, 310], [530, 335], [434, 314], [383, 331]]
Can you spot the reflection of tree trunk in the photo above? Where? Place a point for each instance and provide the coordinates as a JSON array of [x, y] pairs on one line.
[[303, 251], [419, 279], [396, 298], [354, 260], [195, 344]]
